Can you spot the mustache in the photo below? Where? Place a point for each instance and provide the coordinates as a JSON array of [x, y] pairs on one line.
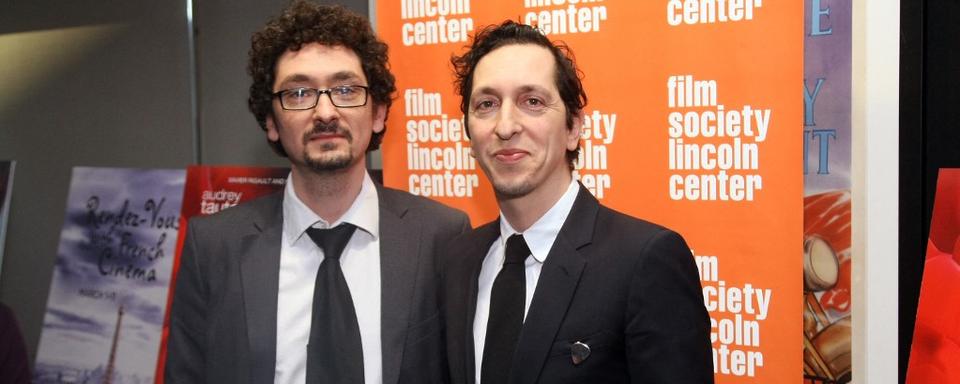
[[332, 127]]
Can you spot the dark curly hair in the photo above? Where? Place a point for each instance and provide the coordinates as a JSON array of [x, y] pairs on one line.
[[567, 77], [302, 23]]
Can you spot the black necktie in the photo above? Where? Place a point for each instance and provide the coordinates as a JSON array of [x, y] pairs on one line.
[[334, 353], [506, 314]]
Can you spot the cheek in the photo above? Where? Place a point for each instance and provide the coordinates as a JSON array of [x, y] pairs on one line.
[[479, 129], [476, 145], [481, 134]]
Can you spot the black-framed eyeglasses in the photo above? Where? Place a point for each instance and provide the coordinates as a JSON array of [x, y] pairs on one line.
[[344, 96]]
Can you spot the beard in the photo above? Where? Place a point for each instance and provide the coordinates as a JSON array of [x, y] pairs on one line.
[[506, 187], [509, 190], [330, 159]]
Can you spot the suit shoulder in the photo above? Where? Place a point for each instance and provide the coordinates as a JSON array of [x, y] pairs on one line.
[[430, 208], [631, 226], [242, 213], [469, 239]]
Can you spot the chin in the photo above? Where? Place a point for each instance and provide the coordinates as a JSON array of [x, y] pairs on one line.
[[512, 188], [509, 183], [329, 162]]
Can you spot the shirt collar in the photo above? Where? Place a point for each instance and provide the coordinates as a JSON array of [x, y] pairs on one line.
[[541, 235], [364, 212]]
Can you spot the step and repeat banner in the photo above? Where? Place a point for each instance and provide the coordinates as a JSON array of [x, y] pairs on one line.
[[691, 123]]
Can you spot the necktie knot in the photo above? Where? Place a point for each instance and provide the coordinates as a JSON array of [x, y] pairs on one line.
[[332, 241], [517, 250]]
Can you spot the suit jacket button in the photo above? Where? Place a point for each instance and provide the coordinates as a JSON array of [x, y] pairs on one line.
[[579, 352]]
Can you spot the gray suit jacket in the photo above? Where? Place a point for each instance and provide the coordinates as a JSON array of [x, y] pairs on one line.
[[626, 287], [223, 322]]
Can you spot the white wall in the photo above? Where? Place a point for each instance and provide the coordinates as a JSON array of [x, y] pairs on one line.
[[876, 50]]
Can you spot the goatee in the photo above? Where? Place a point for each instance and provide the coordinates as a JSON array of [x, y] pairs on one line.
[[504, 188], [330, 159]]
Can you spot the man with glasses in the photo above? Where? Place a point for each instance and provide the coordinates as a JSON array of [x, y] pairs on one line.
[[333, 280]]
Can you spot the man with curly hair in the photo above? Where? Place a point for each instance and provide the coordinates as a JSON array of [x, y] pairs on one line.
[[559, 289], [333, 280]]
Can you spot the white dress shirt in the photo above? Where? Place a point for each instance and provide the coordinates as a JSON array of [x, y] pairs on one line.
[[300, 260], [539, 237]]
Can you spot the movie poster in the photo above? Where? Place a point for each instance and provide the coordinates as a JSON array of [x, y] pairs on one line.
[[211, 189], [936, 352], [6, 186], [827, 144], [108, 292]]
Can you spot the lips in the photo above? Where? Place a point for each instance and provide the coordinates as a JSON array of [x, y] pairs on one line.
[[510, 155], [326, 136]]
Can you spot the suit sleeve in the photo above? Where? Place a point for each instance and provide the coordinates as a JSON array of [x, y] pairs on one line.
[[186, 354], [668, 327]]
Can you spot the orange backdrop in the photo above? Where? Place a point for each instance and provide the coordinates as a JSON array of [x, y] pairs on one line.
[[659, 75]]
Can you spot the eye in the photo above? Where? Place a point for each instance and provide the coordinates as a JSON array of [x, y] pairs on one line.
[[297, 94], [533, 103], [345, 90], [485, 105]]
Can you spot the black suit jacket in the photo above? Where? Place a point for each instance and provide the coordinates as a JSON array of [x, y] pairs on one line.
[[626, 287], [223, 322]]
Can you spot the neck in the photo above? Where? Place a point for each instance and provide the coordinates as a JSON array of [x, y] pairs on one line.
[[329, 194], [522, 211]]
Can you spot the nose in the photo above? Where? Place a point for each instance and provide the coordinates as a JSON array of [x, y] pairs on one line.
[[508, 123], [325, 111]]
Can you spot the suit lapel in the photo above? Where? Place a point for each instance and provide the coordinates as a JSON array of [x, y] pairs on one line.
[[259, 251], [555, 289], [399, 258], [485, 236]]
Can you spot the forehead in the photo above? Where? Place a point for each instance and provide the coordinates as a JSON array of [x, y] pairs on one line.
[[516, 66], [318, 64]]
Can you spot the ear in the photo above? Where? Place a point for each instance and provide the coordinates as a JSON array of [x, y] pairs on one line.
[[573, 134], [379, 117], [272, 133]]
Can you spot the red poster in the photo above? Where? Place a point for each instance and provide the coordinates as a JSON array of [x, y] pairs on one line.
[[935, 354]]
